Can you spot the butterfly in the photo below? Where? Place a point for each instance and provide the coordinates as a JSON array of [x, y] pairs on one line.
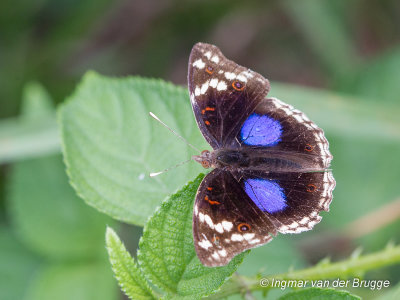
[[270, 162]]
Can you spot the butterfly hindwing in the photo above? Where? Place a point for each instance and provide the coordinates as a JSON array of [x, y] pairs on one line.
[[222, 93], [292, 201], [226, 222]]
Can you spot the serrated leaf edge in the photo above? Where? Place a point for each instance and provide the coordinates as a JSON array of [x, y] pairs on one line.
[[116, 248]]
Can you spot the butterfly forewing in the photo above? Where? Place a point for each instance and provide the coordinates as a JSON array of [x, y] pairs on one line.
[[223, 94]]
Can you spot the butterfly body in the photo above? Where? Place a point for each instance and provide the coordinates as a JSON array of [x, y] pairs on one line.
[[251, 160], [269, 161]]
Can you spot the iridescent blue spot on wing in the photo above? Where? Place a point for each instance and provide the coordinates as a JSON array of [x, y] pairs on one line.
[[268, 195], [261, 130]]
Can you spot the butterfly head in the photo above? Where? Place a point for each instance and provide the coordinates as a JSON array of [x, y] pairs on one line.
[[206, 159]]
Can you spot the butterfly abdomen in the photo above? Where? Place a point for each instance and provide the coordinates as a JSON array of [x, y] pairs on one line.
[[239, 159]]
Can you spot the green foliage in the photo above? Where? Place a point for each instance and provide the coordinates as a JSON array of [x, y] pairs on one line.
[[61, 254], [167, 257], [111, 144], [17, 265], [127, 272], [35, 132], [79, 281], [39, 195], [319, 294]]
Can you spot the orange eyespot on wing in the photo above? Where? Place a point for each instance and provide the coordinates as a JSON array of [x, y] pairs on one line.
[[243, 227], [309, 148], [209, 70], [311, 188], [237, 85]]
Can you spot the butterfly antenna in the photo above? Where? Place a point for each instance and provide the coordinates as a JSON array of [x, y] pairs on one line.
[[166, 170], [174, 132]]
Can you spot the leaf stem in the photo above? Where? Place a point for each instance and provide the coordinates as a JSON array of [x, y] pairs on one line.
[[353, 266]]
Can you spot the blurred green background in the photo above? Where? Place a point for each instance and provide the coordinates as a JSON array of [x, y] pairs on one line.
[[52, 243]]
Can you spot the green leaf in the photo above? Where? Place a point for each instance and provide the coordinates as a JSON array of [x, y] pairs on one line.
[[78, 281], [35, 132], [111, 144], [17, 266], [167, 254], [127, 272], [319, 294], [48, 215]]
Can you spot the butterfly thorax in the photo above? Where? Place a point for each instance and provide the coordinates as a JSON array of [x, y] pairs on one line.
[[243, 159]]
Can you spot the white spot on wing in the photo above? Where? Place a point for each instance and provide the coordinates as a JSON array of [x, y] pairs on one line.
[[283, 228], [219, 228], [209, 221], [248, 74], [248, 236], [304, 220], [221, 86], [222, 252], [227, 225], [199, 64], [207, 54], [215, 59], [204, 88], [241, 78], [254, 241], [237, 237], [201, 217], [205, 244], [215, 255], [230, 75], [311, 224], [197, 91], [298, 118], [293, 225], [214, 82]]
